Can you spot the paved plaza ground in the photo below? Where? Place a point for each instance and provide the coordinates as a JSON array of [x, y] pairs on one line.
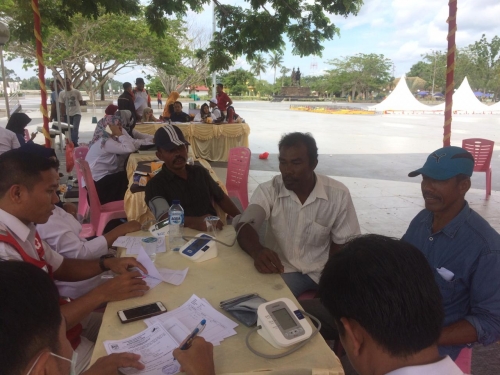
[[371, 155]]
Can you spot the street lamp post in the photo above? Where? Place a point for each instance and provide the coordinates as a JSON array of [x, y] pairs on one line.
[[4, 38], [89, 67]]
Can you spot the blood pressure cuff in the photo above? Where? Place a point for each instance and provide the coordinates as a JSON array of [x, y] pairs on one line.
[[254, 215], [158, 206], [244, 308]]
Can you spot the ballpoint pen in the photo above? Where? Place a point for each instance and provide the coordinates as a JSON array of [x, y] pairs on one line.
[[186, 343]]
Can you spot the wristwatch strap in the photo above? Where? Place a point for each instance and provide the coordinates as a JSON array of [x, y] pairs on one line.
[[101, 261]]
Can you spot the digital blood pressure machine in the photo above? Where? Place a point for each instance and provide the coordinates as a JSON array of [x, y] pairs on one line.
[[282, 323], [200, 249]]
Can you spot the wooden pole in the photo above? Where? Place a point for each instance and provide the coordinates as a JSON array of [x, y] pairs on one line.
[[450, 71], [41, 71]]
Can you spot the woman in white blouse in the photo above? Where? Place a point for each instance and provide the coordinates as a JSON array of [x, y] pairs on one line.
[[106, 157]]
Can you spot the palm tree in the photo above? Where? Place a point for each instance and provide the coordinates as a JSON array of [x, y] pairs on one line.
[[275, 61], [258, 65]]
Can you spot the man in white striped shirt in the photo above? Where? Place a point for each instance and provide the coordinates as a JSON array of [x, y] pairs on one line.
[[310, 216]]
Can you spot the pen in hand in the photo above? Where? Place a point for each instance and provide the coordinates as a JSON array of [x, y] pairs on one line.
[[186, 343]]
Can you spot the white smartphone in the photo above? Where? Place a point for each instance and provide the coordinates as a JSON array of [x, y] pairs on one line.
[[141, 312]]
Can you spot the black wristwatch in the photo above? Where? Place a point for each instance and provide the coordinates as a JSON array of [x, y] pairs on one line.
[[101, 261]]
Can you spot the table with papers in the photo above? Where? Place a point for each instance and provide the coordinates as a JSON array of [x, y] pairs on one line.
[[209, 141], [229, 275]]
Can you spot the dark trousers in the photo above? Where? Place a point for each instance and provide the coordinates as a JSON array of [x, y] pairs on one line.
[[112, 187]]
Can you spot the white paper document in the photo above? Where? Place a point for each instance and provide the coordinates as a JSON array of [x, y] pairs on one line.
[[191, 313], [155, 276], [133, 244], [155, 346]]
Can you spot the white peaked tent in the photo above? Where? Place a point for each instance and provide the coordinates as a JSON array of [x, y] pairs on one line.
[[401, 99], [464, 100], [495, 107]]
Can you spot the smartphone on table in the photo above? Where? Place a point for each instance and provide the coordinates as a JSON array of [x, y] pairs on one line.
[[141, 312]]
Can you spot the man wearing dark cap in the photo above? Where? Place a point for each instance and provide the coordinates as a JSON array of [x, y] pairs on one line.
[[462, 249], [126, 100], [191, 184], [141, 96]]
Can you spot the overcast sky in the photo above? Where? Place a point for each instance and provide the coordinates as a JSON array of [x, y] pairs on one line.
[[401, 30]]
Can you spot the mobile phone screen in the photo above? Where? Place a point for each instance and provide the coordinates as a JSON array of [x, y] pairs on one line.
[[141, 311]]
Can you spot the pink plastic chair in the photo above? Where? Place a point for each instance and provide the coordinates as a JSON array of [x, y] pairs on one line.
[[83, 204], [464, 360], [100, 215], [26, 135], [237, 174], [482, 150]]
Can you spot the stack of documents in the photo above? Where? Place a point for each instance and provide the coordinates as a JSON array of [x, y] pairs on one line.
[[191, 313], [134, 244], [165, 332]]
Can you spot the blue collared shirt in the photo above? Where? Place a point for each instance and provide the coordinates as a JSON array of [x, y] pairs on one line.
[[469, 248]]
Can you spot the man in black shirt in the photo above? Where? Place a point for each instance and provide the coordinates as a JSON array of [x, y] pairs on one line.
[[191, 184], [126, 101], [178, 115]]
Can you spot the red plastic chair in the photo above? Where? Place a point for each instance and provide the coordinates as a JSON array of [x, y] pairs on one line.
[[83, 203], [100, 215], [237, 174], [26, 135], [464, 360], [482, 150]]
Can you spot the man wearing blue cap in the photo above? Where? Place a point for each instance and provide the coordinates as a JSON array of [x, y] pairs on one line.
[[462, 249]]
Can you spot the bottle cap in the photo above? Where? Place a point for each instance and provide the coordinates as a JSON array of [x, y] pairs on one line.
[[176, 201]]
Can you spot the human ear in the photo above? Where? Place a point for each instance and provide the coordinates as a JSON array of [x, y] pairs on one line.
[[42, 365], [352, 338], [17, 193]]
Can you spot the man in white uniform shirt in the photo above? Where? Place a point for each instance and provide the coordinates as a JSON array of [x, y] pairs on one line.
[[310, 216], [61, 233], [28, 185]]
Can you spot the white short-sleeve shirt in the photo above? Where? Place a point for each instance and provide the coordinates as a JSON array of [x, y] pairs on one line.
[[61, 234], [301, 234], [25, 237], [8, 140]]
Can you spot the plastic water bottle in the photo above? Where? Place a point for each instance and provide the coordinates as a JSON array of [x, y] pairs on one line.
[[69, 183], [176, 218]]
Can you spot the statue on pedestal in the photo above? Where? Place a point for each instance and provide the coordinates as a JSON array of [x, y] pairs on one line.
[[297, 77]]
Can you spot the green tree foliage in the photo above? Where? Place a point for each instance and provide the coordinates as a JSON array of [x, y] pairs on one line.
[[237, 81], [479, 62], [111, 42], [258, 27], [361, 73], [258, 65]]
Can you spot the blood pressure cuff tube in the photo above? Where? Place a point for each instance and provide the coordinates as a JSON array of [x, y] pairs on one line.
[[254, 215], [158, 206]]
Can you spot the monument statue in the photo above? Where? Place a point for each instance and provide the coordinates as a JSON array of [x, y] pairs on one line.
[[297, 77]]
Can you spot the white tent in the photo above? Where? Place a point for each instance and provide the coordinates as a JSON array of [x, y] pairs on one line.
[[401, 99], [464, 100], [495, 107]]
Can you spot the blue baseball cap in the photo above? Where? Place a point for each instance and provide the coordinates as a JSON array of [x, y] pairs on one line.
[[445, 163]]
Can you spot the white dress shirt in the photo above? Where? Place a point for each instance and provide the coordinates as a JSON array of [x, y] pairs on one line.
[[61, 234], [443, 367], [301, 234], [8, 140], [25, 237], [103, 160]]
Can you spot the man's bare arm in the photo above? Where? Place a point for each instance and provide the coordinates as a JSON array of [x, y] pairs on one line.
[[458, 333]]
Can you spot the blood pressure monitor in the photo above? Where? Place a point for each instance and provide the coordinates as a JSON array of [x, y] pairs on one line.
[[160, 229], [200, 249], [282, 323]]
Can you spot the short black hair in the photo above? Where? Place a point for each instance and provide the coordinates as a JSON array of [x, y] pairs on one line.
[[388, 287], [294, 139], [18, 167], [178, 102], [126, 85], [220, 85], [30, 317]]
